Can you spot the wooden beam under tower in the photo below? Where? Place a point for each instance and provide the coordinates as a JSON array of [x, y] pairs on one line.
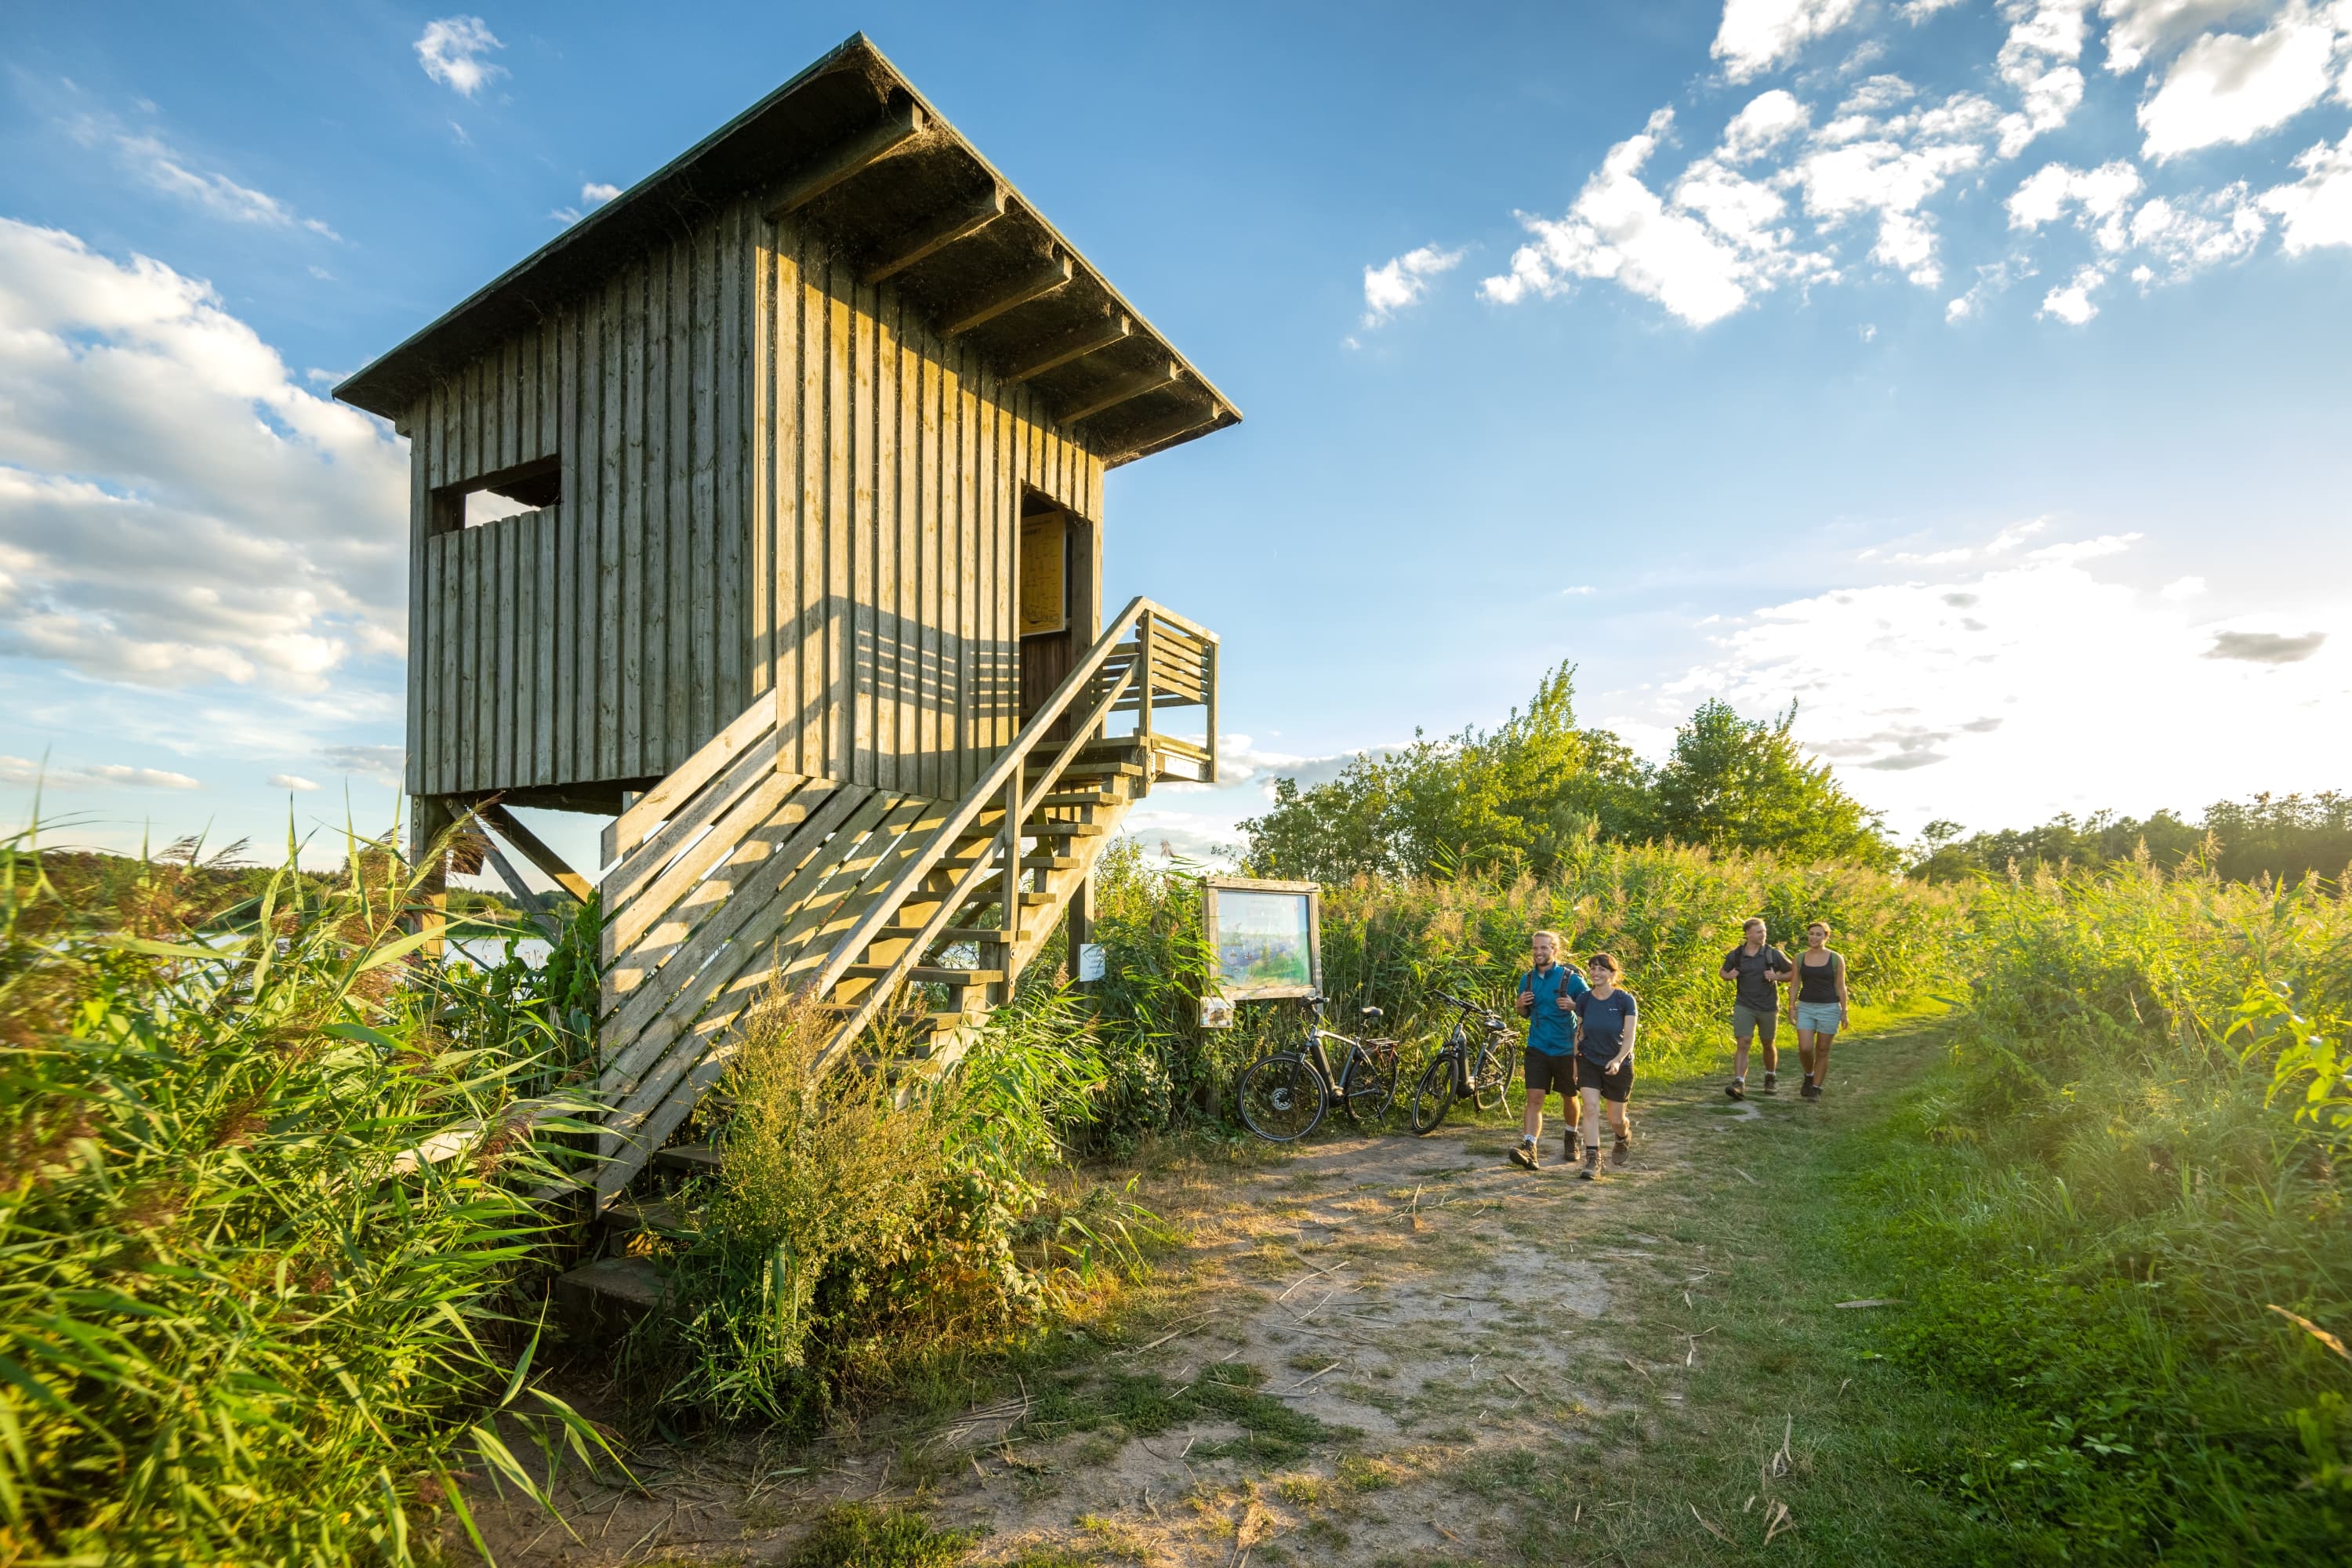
[[901, 124], [1074, 346], [930, 238], [1033, 285]]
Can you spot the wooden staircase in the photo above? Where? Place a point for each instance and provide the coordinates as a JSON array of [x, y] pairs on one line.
[[732, 875]]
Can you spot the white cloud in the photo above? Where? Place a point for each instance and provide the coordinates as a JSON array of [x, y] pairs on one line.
[[382, 764], [2229, 87], [1959, 686], [1893, 182], [2102, 195], [2071, 301], [2181, 589], [1917, 11], [1757, 35], [295, 781], [24, 770], [595, 192], [2137, 28], [451, 51], [1618, 228], [1402, 280], [174, 507], [2315, 210], [1768, 121], [168, 168], [2037, 60], [2193, 231]]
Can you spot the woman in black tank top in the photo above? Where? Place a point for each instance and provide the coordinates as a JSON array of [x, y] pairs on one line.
[[1817, 1004]]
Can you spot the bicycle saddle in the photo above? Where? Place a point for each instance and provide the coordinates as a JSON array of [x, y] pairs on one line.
[[1373, 1013]]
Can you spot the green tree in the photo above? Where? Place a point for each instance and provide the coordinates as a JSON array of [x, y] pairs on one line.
[[1521, 796], [1740, 783]]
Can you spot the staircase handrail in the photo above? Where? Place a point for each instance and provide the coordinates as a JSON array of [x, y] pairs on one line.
[[978, 872], [989, 787]]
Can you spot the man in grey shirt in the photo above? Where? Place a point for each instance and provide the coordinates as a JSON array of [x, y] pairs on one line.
[[1757, 970]]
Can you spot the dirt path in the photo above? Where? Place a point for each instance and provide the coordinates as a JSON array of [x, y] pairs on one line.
[[1392, 1351]]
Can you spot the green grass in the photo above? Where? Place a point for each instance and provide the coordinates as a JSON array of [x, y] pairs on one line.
[[1142, 1405], [853, 1535]]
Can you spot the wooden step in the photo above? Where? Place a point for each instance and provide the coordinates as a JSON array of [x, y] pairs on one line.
[[1048, 862], [945, 933], [699, 1158], [1076, 797], [603, 1299], [921, 975], [1085, 769], [635, 1214], [1065, 830]]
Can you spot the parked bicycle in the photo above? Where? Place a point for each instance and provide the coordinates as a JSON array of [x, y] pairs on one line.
[[1283, 1095], [1476, 1067]]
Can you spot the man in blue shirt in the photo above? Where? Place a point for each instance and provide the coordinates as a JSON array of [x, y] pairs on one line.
[[1604, 1061], [1548, 995]]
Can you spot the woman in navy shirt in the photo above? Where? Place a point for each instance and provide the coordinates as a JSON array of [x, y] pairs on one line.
[[1604, 1060]]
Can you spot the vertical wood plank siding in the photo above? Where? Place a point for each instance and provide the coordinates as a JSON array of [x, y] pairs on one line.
[[776, 486]]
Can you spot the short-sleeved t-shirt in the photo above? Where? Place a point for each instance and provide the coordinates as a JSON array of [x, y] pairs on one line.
[[1755, 990], [1550, 1030], [1604, 1022]]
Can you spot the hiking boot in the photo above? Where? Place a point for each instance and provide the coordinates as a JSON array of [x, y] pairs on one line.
[[1812, 1089], [1568, 1146], [1524, 1156], [1621, 1151], [1771, 1081], [1591, 1171], [1737, 1089]]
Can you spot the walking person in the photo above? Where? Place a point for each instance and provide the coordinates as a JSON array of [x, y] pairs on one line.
[[1757, 970], [1548, 995], [1604, 1062], [1817, 1004]]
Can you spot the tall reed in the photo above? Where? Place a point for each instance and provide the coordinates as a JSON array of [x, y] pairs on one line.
[[2124, 1216], [231, 1330]]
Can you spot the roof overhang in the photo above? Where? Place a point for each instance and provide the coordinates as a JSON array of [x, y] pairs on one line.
[[851, 150]]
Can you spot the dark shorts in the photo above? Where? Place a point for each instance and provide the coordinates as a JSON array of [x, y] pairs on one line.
[[1747, 1021], [1548, 1074], [1617, 1086]]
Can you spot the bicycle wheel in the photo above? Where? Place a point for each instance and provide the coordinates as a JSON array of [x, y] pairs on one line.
[[1370, 1088], [1432, 1096], [1490, 1081], [1282, 1097]]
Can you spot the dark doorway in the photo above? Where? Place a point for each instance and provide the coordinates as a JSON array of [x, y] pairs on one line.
[[1056, 603]]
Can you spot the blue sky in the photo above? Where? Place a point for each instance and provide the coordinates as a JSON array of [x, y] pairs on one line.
[[1972, 373]]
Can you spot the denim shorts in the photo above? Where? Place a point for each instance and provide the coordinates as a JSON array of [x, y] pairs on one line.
[[1820, 1017]]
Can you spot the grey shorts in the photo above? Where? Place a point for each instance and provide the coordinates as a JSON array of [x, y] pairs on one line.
[[1820, 1017], [1746, 1021]]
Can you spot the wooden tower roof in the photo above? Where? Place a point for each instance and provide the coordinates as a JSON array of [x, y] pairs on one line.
[[849, 148]]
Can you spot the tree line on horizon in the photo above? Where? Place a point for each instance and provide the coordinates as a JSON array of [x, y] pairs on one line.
[[1526, 795]]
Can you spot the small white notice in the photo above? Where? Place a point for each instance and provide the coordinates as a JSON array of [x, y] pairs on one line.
[[1216, 1013], [1091, 961]]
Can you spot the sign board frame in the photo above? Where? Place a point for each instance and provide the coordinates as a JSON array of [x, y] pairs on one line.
[[1311, 893]]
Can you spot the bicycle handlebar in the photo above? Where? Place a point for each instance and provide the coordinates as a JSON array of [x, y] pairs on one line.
[[1453, 1001]]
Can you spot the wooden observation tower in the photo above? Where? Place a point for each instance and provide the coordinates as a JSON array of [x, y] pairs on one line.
[[760, 511]]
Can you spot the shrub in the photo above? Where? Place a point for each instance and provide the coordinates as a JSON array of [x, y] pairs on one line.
[[854, 1231]]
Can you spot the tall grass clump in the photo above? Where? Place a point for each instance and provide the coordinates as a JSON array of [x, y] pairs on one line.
[[2127, 1224], [859, 1230], [1668, 913], [232, 1328]]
